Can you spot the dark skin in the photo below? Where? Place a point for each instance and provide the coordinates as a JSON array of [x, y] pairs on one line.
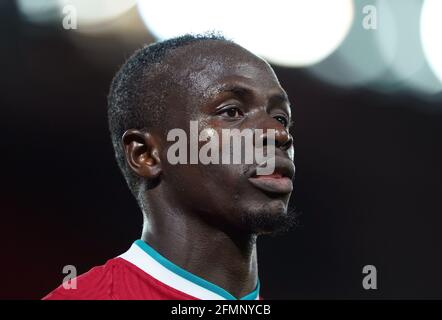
[[202, 217]]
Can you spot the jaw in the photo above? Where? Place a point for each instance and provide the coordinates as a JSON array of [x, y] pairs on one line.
[[265, 217]]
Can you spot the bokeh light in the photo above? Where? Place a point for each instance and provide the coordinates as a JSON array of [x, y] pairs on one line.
[[289, 33], [431, 29]]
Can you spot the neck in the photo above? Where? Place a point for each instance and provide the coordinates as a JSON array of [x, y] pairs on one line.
[[223, 258]]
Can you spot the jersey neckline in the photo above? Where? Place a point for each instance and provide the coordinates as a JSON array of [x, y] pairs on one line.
[[153, 263]]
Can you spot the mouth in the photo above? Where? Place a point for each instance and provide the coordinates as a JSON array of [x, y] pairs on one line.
[[278, 182]]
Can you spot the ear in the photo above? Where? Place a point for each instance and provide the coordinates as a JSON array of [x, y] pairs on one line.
[[142, 153]]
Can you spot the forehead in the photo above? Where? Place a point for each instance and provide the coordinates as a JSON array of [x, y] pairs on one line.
[[206, 66]]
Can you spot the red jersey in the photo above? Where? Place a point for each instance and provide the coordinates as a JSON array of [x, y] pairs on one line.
[[141, 273]]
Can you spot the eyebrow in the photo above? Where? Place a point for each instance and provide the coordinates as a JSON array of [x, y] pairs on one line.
[[242, 90], [233, 88]]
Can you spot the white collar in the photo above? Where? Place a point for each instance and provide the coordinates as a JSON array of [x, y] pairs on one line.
[[150, 261]]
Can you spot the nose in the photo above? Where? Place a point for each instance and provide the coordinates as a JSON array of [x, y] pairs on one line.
[[283, 139]]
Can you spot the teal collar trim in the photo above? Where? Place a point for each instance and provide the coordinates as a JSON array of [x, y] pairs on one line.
[[191, 277]]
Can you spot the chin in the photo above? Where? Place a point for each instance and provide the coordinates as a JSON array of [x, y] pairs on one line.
[[269, 217]]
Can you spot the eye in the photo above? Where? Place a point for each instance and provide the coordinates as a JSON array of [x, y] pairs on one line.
[[232, 112], [283, 120]]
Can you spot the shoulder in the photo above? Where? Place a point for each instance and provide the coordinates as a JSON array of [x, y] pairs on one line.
[[96, 284]]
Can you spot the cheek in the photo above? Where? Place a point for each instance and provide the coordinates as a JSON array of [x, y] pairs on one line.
[[222, 189], [204, 187], [226, 178]]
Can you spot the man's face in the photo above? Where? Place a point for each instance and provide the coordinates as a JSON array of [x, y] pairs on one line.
[[222, 86]]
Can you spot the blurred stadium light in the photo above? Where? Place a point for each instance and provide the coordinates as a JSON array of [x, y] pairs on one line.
[[288, 33], [327, 37], [388, 58], [365, 55], [92, 15], [431, 34], [39, 11]]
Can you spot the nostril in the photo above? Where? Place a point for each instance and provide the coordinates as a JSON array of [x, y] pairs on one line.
[[285, 141]]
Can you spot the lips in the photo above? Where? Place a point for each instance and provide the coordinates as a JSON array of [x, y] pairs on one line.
[[280, 181]]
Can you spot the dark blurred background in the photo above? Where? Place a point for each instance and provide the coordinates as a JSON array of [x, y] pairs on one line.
[[368, 156]]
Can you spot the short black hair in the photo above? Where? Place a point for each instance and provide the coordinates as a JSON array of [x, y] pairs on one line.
[[134, 102]]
